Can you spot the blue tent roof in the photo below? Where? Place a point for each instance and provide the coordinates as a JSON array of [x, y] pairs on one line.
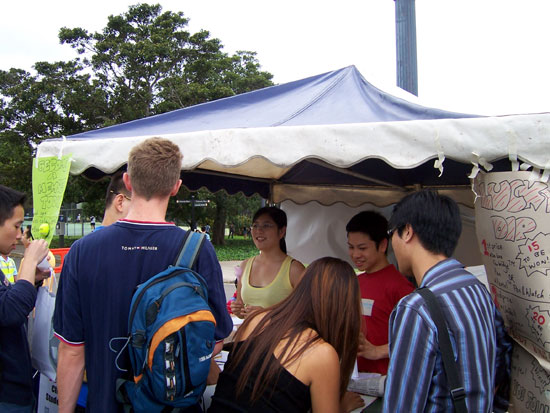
[[341, 96]]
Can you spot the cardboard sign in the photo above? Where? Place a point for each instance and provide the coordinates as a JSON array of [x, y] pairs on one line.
[[530, 384], [513, 231], [47, 396], [49, 179]]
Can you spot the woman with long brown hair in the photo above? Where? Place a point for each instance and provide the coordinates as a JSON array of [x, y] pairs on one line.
[[299, 354]]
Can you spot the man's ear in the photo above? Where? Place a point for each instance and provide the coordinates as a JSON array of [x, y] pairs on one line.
[[408, 233], [383, 245], [119, 201], [127, 183], [176, 188]]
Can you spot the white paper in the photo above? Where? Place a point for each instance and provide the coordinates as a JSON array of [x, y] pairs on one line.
[[371, 386]]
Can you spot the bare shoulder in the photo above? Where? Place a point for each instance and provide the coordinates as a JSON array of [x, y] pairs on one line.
[[296, 272], [319, 360], [322, 361], [243, 264], [323, 351], [296, 265]]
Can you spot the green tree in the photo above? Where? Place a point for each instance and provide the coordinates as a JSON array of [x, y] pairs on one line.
[[147, 63], [143, 62], [57, 100]]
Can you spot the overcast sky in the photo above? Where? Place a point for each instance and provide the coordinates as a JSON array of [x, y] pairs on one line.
[[474, 56]]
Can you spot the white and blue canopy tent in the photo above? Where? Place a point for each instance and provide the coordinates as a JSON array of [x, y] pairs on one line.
[[330, 138]]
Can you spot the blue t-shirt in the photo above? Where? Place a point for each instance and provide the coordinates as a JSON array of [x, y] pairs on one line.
[[100, 274]]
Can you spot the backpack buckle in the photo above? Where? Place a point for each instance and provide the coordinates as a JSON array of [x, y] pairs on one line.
[[458, 393]]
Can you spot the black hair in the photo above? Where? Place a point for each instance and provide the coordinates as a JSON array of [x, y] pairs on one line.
[[9, 199], [370, 223], [115, 187], [29, 231], [434, 218], [278, 216]]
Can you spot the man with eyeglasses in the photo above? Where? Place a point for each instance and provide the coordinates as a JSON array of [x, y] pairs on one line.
[[117, 201], [425, 228], [117, 204]]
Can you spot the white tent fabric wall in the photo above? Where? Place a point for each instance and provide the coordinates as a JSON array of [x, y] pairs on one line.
[[308, 239]]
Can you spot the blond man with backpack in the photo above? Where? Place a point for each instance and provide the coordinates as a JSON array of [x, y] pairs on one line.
[[94, 300]]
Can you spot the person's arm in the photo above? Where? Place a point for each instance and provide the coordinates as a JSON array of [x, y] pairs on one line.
[[325, 380], [70, 373], [412, 351], [69, 329], [237, 305], [296, 272], [370, 351]]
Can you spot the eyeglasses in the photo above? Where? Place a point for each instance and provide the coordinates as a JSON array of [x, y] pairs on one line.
[[119, 193], [392, 230], [263, 227]]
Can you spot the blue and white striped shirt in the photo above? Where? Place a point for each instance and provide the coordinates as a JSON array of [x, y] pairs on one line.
[[416, 379]]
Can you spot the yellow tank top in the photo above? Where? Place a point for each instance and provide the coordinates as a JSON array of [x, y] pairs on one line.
[[272, 293]]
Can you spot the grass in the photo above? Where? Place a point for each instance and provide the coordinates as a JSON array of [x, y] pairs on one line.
[[67, 241], [235, 249]]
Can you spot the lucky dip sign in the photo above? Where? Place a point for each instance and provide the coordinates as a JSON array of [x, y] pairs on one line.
[[513, 229]]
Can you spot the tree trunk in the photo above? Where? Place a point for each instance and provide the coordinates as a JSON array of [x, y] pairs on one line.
[[218, 230]]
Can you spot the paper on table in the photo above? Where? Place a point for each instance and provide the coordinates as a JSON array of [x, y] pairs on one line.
[[355, 374], [371, 386], [221, 359], [236, 320]]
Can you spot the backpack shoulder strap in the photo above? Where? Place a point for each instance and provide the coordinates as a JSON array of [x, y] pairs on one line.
[[451, 370], [192, 243]]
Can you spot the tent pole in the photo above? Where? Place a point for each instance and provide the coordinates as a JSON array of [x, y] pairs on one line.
[[405, 35]]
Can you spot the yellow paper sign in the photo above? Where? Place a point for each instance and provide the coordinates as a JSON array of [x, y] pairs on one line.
[[49, 179]]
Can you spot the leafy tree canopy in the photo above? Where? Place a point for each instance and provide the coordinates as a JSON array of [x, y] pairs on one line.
[[144, 62], [148, 63]]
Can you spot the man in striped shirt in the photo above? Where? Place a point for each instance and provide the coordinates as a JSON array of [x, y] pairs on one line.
[[424, 230]]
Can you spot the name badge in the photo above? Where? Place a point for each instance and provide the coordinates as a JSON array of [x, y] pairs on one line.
[[367, 304]]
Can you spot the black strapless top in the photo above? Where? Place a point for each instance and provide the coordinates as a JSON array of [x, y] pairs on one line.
[[288, 395]]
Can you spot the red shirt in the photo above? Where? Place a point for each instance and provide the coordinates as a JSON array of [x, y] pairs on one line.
[[380, 292]]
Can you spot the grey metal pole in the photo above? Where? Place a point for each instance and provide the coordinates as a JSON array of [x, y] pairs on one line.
[[405, 35]]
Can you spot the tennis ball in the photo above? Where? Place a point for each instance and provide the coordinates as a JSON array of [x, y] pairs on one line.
[[44, 230]]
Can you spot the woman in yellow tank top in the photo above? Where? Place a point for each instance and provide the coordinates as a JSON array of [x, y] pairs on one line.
[[271, 276]]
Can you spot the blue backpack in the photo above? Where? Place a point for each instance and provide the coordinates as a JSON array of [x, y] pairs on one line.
[[171, 337]]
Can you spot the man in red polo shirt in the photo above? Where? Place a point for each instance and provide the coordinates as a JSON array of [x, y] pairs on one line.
[[382, 286]]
